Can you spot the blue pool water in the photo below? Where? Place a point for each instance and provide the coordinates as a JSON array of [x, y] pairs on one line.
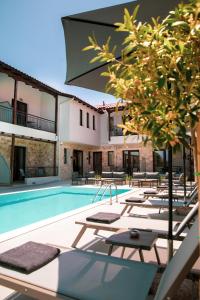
[[24, 208]]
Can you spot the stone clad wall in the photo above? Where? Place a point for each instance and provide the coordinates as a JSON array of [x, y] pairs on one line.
[[146, 156], [5, 147], [67, 169], [38, 153]]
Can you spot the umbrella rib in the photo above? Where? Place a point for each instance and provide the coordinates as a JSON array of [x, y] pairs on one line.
[[94, 69], [92, 22]]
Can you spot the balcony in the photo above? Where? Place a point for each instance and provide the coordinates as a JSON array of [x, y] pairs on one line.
[[116, 131], [26, 120]]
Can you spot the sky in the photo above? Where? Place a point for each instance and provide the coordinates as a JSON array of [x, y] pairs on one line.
[[32, 40]]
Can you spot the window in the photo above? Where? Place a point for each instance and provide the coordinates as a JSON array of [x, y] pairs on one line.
[[160, 160], [65, 156], [81, 117], [110, 158], [88, 120], [93, 121]]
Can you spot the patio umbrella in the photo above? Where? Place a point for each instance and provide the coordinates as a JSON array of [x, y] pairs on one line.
[[100, 22]]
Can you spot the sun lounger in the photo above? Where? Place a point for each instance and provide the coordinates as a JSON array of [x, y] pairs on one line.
[[155, 203], [78, 274], [176, 196], [158, 226]]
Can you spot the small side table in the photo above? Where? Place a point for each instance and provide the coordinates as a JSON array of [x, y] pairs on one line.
[[145, 241]]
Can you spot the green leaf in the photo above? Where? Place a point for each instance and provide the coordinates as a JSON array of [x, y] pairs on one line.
[[161, 81], [88, 48], [180, 23], [188, 74], [135, 12], [95, 59]]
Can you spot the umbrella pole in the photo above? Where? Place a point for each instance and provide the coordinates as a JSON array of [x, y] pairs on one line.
[[170, 208], [184, 173]]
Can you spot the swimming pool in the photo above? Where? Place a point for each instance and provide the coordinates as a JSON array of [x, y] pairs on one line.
[[19, 209]]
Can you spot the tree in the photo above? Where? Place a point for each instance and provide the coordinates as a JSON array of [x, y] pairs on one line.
[[158, 74], [158, 78]]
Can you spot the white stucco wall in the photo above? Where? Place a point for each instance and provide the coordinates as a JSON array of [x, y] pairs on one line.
[[104, 128], [131, 139], [31, 97], [70, 130], [6, 88], [63, 118], [25, 131], [39, 103], [47, 106]]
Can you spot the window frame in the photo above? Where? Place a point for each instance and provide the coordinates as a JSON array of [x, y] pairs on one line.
[[65, 156], [88, 120], [93, 122], [81, 117]]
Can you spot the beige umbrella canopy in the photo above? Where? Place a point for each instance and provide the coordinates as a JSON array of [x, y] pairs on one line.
[[100, 22]]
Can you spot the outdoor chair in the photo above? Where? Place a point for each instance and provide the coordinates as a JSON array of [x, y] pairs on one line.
[[179, 195], [78, 274], [143, 178], [157, 203], [90, 177], [78, 179], [125, 222]]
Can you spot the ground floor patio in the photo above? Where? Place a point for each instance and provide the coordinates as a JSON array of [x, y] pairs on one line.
[[63, 232]]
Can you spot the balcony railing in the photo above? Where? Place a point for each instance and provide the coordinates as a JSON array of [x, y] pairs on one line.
[[41, 172], [117, 131], [27, 120], [6, 114]]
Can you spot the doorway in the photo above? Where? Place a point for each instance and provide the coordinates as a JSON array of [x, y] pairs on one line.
[[160, 161], [78, 161], [97, 162], [131, 161], [19, 163], [21, 112]]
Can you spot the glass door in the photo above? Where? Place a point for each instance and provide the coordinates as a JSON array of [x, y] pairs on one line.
[[131, 161], [78, 162], [19, 163], [97, 162], [160, 161]]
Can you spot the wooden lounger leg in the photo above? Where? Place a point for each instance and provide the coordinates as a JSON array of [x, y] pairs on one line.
[[110, 250], [124, 209], [77, 239], [141, 255], [157, 255], [96, 231], [123, 250], [130, 208]]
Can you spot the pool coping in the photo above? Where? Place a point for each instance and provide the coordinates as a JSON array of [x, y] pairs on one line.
[[32, 227]]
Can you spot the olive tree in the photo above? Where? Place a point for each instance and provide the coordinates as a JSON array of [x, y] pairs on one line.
[[157, 75], [158, 78]]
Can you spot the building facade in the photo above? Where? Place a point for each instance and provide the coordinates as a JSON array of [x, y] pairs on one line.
[[47, 135]]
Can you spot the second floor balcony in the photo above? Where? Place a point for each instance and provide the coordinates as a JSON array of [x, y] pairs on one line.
[[26, 120], [117, 131]]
